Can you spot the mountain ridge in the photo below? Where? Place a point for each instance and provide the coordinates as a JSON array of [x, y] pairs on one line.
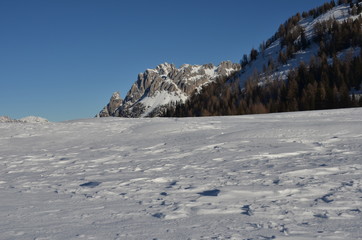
[[163, 85], [302, 39]]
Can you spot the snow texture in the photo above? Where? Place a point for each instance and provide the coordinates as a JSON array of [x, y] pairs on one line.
[[277, 176]]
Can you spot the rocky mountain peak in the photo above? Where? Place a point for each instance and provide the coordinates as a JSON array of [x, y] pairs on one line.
[[115, 96], [162, 85], [165, 68], [114, 103]]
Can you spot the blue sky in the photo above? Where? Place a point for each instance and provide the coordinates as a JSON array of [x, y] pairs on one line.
[[63, 59]]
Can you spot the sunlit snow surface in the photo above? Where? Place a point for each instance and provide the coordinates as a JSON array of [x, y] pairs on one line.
[[277, 176]]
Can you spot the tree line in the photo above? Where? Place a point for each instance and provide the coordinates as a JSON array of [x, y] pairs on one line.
[[319, 86]]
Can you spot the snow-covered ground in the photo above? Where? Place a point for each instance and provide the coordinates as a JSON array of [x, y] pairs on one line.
[[277, 176]]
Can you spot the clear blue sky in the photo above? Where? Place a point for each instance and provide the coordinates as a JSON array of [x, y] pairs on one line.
[[63, 59]]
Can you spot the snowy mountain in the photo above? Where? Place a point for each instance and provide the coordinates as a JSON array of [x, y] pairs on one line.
[[321, 35], [165, 84], [294, 176]]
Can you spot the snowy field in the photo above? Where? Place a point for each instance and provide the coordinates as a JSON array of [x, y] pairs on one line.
[[278, 176]]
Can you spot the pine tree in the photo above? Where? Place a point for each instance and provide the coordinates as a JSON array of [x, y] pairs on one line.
[[321, 96], [253, 54], [282, 58], [244, 61], [292, 94], [303, 39], [354, 10]]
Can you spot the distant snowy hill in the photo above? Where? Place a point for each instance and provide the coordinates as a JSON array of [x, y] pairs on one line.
[[287, 176], [4, 119], [34, 119], [29, 119]]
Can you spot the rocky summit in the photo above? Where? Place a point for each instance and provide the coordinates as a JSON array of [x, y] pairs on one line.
[[114, 103], [162, 86]]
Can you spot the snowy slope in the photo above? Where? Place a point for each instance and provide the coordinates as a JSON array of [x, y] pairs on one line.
[[339, 13], [277, 176], [161, 98]]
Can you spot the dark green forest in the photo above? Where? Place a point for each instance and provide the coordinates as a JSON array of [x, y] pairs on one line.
[[328, 81]]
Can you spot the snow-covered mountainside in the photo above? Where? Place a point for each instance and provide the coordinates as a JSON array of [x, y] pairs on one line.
[[270, 55], [165, 84], [276, 176]]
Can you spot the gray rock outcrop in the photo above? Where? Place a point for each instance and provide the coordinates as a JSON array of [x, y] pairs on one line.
[[164, 85], [114, 103]]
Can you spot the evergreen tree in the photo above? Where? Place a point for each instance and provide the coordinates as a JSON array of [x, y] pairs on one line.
[[244, 61], [253, 54], [303, 39]]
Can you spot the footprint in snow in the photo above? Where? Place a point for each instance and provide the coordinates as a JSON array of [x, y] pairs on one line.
[[90, 184], [210, 193], [159, 215], [321, 215], [173, 183], [247, 210]]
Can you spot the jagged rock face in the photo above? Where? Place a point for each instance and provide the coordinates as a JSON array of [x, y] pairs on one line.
[[163, 85], [114, 103]]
